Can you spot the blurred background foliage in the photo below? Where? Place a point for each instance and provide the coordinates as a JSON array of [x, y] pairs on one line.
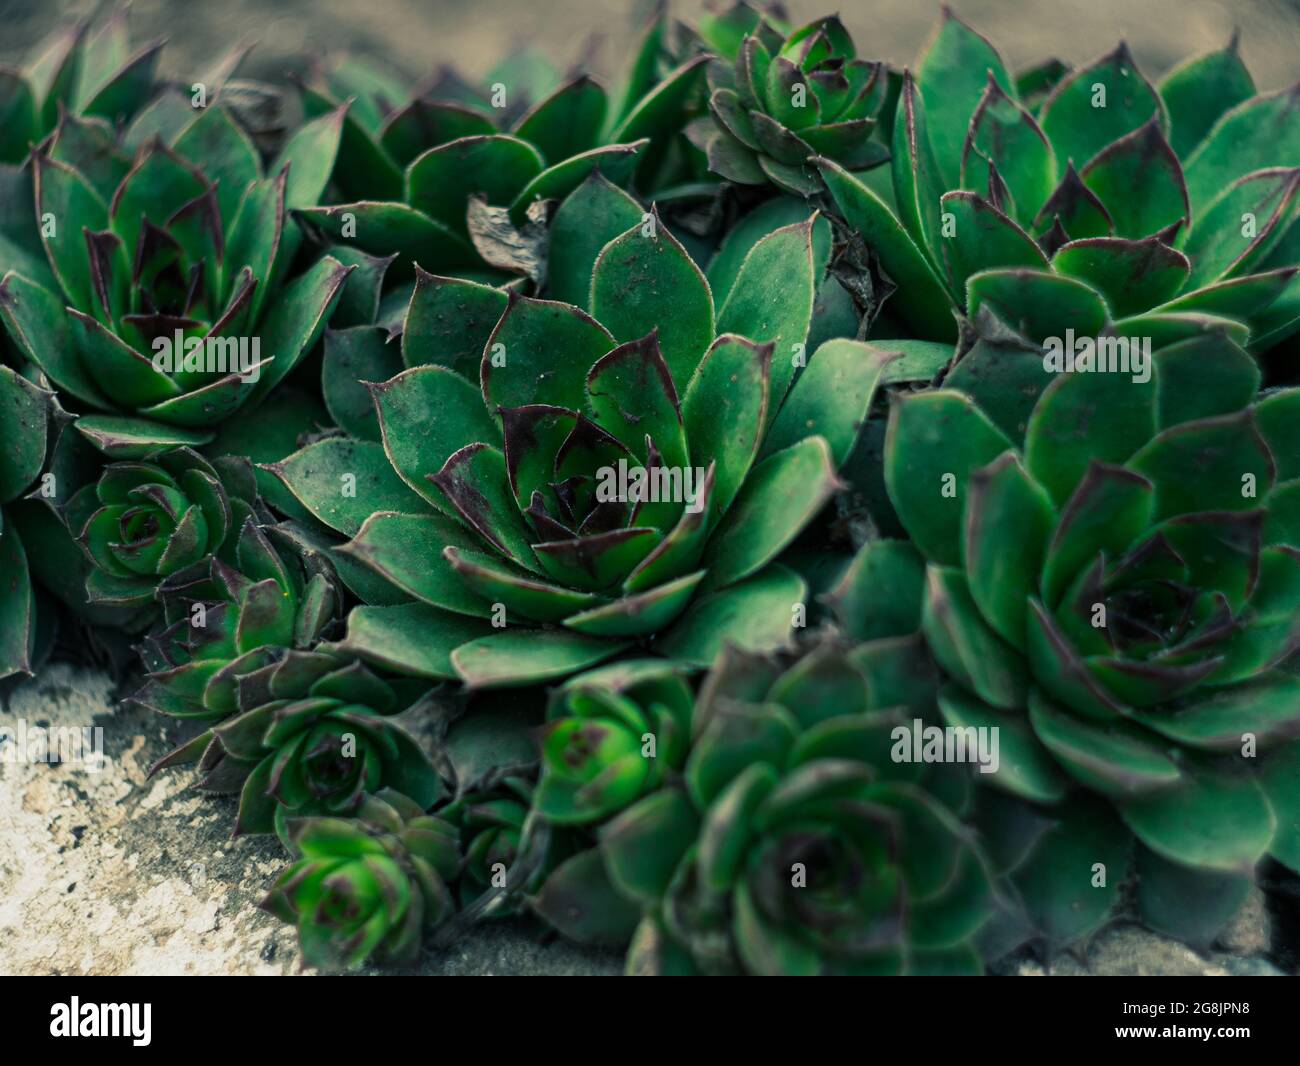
[[418, 36]]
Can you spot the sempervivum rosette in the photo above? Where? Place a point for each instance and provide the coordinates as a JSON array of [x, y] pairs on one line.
[[498, 486], [1158, 210], [781, 100], [492, 822], [312, 735], [1114, 582], [145, 520], [615, 734], [223, 622], [164, 297], [369, 887], [796, 844]]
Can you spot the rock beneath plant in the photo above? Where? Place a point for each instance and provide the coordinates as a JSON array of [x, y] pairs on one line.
[[1131, 951], [1250, 931]]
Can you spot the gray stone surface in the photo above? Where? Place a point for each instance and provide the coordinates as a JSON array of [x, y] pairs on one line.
[[107, 872]]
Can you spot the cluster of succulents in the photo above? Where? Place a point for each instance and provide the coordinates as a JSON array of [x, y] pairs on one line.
[[627, 488]]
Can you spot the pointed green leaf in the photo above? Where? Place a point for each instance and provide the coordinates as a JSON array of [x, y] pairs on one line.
[[755, 615], [528, 657], [952, 74], [1264, 131], [590, 217], [644, 280], [935, 441], [1198, 92], [1096, 106]]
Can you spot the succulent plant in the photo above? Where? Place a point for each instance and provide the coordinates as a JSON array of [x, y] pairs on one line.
[[498, 487], [369, 887], [311, 736], [798, 844], [615, 734], [492, 823], [781, 100], [226, 626], [144, 520], [1113, 580], [1110, 205], [165, 297], [412, 161]]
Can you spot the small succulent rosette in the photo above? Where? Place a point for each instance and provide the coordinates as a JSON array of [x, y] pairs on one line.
[[312, 735], [1087, 198], [492, 822], [615, 733], [780, 102], [144, 520], [223, 622], [368, 888]]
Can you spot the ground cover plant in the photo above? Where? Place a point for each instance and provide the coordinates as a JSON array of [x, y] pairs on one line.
[[786, 512]]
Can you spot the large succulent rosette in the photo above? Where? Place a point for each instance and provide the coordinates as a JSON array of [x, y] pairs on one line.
[[796, 843], [372, 887], [1106, 201], [780, 101], [494, 476], [164, 297], [1113, 581]]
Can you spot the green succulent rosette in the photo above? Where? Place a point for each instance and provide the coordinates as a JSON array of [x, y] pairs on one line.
[[1113, 580], [488, 471], [162, 299], [614, 734], [413, 160], [226, 626], [145, 520], [368, 888], [796, 844], [492, 823], [312, 735], [781, 100], [1090, 200]]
